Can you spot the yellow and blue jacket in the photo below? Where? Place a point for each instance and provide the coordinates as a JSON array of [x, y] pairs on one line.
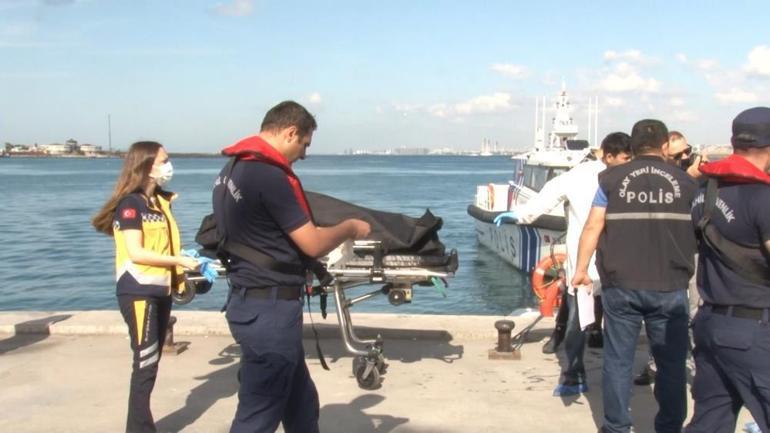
[[159, 234]]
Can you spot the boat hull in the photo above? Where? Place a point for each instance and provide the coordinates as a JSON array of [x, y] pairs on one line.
[[520, 245]]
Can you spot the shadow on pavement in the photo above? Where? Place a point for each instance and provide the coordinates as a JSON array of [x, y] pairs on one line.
[[643, 403], [217, 385], [30, 332], [432, 344], [351, 417]]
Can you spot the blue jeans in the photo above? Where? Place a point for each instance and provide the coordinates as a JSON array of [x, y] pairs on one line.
[[665, 315]]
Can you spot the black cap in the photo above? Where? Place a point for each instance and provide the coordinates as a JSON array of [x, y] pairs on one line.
[[751, 128]]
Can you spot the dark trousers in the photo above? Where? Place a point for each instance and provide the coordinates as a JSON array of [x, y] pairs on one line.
[[665, 318], [732, 365], [275, 383], [147, 320], [574, 345]]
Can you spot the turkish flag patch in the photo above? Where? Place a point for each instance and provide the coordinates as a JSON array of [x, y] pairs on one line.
[[129, 213]]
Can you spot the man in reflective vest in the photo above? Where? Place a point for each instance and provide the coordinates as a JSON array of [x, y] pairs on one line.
[[641, 230]]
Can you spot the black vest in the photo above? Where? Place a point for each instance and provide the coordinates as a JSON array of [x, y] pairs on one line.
[[648, 242]]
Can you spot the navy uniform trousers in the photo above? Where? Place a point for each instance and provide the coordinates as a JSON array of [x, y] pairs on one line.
[[147, 319], [275, 383], [732, 370]]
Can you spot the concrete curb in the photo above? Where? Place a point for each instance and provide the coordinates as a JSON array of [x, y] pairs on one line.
[[208, 323]]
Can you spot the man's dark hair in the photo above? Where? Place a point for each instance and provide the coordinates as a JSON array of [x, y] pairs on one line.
[[288, 114], [616, 143], [648, 135]]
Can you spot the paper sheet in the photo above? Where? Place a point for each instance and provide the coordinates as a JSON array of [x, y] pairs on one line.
[[585, 305]]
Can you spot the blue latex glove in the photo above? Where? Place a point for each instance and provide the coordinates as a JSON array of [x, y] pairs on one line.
[[208, 271], [505, 215], [752, 427], [190, 253]]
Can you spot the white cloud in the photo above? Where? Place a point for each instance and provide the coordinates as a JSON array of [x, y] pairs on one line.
[[707, 64], [676, 102], [18, 29], [495, 103], [406, 108], [611, 101], [439, 110], [614, 55], [634, 56], [509, 70], [623, 73], [759, 61], [499, 102], [57, 2], [683, 116], [629, 81], [314, 98], [235, 8], [735, 95], [681, 58]]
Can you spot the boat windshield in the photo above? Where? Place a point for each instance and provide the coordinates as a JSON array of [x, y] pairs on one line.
[[535, 176]]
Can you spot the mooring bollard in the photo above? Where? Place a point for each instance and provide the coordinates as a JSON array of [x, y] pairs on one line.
[[169, 346], [504, 328], [504, 349]]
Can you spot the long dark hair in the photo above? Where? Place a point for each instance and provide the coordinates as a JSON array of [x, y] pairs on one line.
[[133, 177]]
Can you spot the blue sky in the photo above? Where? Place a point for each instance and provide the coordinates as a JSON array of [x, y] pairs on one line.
[[198, 75]]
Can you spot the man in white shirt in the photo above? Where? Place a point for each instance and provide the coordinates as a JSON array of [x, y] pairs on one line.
[[576, 188]]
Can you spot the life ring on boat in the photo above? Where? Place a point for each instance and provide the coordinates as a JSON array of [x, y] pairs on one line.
[[547, 278]]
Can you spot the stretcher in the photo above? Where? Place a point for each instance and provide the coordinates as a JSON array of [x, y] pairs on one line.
[[355, 264]]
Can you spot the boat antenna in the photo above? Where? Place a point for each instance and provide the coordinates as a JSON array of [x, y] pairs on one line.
[[590, 121], [596, 120]]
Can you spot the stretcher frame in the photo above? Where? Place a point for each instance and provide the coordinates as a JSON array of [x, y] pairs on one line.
[[358, 264]]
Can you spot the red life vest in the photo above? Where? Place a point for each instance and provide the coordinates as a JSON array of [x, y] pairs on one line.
[[255, 148], [735, 169]]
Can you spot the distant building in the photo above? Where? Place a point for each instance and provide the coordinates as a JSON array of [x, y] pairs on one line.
[[59, 149], [90, 149]]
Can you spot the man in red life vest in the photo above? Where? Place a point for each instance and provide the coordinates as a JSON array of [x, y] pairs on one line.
[[732, 329], [267, 236]]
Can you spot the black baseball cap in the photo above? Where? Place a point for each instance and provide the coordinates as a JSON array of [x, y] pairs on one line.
[[751, 128]]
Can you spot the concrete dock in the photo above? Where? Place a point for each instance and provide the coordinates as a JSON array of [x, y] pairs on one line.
[[69, 372]]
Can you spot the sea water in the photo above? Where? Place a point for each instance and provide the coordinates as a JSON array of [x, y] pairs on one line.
[[52, 259]]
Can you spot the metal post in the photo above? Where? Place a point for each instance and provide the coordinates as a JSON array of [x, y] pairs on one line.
[[169, 346], [504, 349]]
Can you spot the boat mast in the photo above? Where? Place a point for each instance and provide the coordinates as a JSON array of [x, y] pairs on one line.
[[563, 127]]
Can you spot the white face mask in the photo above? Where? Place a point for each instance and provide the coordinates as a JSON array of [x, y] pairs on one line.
[[165, 173]]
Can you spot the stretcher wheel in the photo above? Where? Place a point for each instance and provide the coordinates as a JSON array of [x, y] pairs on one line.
[[381, 365], [357, 362], [187, 295], [368, 381], [201, 287]]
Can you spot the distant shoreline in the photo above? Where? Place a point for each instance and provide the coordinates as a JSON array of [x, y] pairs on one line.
[[119, 155]]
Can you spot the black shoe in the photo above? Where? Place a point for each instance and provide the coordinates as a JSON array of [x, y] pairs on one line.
[[595, 339], [646, 377], [554, 341]]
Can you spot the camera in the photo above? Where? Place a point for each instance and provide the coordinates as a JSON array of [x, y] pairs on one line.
[[687, 160]]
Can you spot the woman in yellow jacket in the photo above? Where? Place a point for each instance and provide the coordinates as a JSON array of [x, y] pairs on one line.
[[148, 265]]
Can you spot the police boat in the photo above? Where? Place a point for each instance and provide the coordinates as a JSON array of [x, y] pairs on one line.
[[524, 246]]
